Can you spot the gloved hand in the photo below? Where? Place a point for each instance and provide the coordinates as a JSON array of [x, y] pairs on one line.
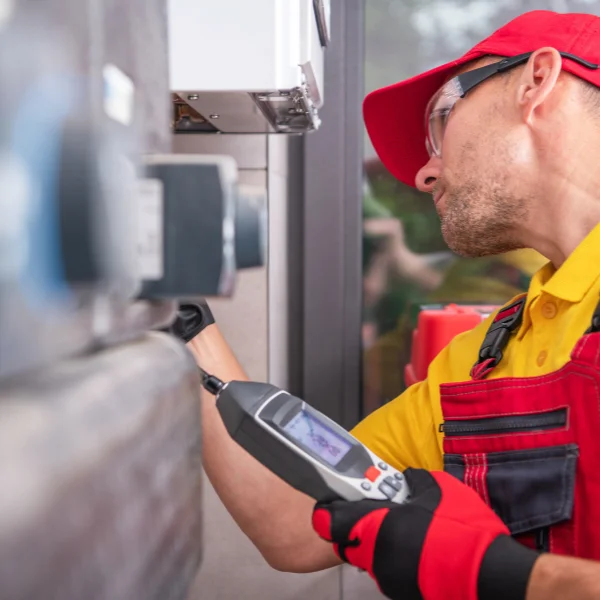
[[191, 319], [444, 544]]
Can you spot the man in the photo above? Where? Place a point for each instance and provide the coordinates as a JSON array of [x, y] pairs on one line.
[[512, 162]]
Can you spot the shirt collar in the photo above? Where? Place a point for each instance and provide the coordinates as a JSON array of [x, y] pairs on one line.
[[577, 274], [571, 281]]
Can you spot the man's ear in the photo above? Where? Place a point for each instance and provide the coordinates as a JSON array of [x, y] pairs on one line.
[[538, 80]]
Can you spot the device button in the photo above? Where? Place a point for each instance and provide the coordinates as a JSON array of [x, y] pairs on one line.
[[382, 466], [395, 483], [387, 490], [365, 485], [372, 473], [399, 476]]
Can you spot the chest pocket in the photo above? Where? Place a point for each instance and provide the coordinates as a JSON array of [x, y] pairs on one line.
[[529, 489]]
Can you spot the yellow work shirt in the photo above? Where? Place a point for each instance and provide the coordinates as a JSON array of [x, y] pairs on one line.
[[559, 308]]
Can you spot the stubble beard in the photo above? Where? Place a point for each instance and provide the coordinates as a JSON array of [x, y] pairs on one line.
[[481, 222]]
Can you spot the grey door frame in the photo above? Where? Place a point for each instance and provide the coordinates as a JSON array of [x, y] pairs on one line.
[[325, 232]]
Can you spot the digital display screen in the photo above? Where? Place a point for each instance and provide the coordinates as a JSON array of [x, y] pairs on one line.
[[312, 434]]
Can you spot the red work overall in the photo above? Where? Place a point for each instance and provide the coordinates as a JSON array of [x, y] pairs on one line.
[[531, 446]]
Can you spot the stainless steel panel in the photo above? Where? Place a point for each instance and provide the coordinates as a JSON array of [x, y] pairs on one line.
[[232, 568], [243, 321], [59, 250], [101, 477], [148, 30], [279, 323], [253, 177], [269, 111], [36, 328], [249, 151], [35, 336], [243, 318], [131, 35], [229, 112], [118, 322]]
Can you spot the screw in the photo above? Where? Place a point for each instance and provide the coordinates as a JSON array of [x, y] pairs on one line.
[[214, 116], [193, 97]]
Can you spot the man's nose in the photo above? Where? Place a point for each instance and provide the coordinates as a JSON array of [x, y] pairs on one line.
[[429, 174]]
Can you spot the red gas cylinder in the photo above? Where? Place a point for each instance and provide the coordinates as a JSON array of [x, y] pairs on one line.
[[436, 327]]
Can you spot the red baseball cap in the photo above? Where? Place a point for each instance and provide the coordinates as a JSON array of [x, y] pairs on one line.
[[395, 115]]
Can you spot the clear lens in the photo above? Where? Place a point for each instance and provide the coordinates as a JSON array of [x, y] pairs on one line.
[[436, 115]]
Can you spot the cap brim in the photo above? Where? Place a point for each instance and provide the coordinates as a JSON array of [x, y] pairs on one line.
[[395, 119]]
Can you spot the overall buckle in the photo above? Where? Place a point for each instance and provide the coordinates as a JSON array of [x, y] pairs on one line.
[[506, 322]]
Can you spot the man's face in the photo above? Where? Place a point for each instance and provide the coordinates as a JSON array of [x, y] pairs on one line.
[[480, 193]]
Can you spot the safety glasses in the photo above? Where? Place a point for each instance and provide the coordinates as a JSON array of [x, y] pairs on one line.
[[443, 101]]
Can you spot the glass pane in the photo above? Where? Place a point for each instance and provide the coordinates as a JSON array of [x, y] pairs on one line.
[[406, 263]]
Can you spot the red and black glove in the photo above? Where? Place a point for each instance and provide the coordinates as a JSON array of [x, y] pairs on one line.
[[444, 544]]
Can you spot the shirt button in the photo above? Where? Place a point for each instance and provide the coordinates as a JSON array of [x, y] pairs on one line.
[[541, 359], [549, 310]]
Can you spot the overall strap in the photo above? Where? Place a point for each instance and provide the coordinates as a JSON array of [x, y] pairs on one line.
[[584, 351], [595, 326], [506, 322]]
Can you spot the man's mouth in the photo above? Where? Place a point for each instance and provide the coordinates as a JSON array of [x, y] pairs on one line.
[[437, 196]]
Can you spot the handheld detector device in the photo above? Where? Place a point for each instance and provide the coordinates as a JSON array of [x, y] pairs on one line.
[[304, 447]]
